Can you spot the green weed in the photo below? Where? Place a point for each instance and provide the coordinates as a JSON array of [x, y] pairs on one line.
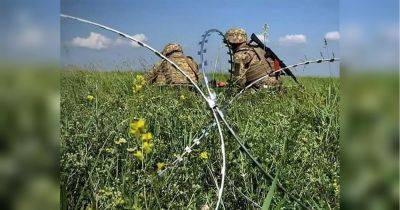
[[295, 132]]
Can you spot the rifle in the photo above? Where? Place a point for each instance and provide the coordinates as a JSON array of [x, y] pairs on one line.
[[271, 54]]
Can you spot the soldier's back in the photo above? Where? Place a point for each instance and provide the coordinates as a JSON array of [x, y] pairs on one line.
[[254, 65], [186, 64]]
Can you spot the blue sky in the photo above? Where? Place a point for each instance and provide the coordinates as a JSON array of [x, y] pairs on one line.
[[182, 21], [29, 27], [369, 29]]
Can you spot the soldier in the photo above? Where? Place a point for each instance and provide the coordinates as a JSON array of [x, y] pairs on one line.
[[250, 62], [165, 73], [155, 75]]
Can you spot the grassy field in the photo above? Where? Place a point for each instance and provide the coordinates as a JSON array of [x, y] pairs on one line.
[[294, 133]]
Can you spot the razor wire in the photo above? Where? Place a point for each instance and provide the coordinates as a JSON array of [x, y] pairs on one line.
[[141, 44], [221, 115], [279, 70], [209, 99], [205, 131], [212, 94], [203, 50], [238, 140]]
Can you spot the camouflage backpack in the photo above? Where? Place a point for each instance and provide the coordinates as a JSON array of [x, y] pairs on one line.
[[252, 65], [186, 63], [172, 75]]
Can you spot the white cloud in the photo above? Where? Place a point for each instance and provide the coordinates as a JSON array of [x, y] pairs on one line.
[[93, 41], [123, 41], [333, 35], [292, 39], [97, 41]]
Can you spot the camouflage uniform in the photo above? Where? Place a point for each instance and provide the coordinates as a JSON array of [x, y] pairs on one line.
[[165, 73], [250, 62], [155, 75]]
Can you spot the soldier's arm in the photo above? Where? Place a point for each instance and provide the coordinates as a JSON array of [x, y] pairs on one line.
[[151, 75], [196, 69], [199, 75], [271, 64]]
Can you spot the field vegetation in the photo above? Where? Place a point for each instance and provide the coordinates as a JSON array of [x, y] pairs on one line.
[[116, 136]]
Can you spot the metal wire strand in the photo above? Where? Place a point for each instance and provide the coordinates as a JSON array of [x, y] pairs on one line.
[[217, 113], [239, 141], [223, 168], [279, 70], [210, 100], [220, 113], [141, 44], [203, 51]]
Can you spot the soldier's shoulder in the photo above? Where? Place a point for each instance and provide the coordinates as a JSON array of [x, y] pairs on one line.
[[191, 59], [164, 64], [243, 55], [179, 60], [240, 54]]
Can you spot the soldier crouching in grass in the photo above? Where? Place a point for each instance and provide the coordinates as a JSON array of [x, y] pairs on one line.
[[163, 73], [250, 62]]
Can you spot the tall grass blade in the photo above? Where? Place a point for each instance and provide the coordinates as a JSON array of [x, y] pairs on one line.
[[271, 192]]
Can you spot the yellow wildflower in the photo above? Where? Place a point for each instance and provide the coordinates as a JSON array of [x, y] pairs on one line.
[[204, 155], [147, 147], [140, 123], [139, 155], [183, 97], [160, 166], [110, 150], [120, 141], [138, 76], [136, 88], [138, 83], [130, 149], [105, 193], [134, 132], [118, 199], [336, 186], [90, 98], [146, 137], [137, 126]]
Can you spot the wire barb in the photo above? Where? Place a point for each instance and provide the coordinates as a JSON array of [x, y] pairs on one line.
[[211, 101], [179, 158]]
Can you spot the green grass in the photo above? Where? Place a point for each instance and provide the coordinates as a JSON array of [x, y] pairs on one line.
[[295, 132]]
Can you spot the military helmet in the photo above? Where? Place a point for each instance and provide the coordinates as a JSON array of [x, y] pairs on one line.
[[236, 36], [172, 47]]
